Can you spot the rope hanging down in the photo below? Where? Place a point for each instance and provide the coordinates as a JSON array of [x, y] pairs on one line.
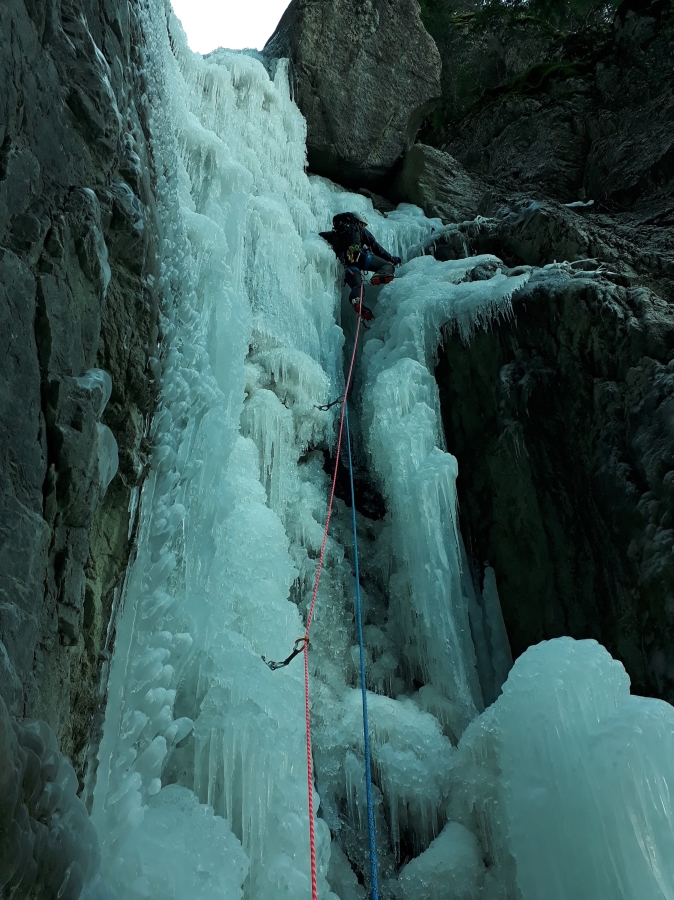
[[310, 771], [374, 884], [296, 650]]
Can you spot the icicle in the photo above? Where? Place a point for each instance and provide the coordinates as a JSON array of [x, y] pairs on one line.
[[201, 786]]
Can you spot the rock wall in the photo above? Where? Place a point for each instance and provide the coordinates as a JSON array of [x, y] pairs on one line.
[[78, 320], [438, 184], [561, 421], [560, 418], [365, 75], [566, 102]]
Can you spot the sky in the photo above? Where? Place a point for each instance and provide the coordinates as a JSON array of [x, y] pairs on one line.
[[235, 24]]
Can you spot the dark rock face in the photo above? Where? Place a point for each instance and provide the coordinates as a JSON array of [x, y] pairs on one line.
[[524, 231], [76, 249], [565, 108], [561, 421], [561, 418], [438, 184], [365, 75]]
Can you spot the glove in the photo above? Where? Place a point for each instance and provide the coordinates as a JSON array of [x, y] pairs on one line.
[[397, 261]]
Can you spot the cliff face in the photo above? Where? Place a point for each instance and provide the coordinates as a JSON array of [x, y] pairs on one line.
[[558, 98], [76, 256], [560, 419]]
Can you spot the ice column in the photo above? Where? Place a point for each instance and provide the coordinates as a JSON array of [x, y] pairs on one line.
[[406, 447]]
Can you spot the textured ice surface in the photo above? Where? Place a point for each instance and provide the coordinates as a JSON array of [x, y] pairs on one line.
[[200, 770], [450, 869], [401, 416], [178, 827], [108, 455], [99, 381], [48, 845], [201, 781], [98, 384], [588, 777], [568, 780]]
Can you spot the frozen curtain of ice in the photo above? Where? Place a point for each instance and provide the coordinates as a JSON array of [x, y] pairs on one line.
[[560, 789]]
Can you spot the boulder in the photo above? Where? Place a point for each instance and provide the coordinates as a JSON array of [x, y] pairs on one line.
[[365, 74], [437, 183]]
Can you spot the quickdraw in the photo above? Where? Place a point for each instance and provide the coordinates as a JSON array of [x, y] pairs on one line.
[[328, 406], [302, 641]]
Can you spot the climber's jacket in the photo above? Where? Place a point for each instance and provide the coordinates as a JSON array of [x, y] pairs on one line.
[[352, 241]]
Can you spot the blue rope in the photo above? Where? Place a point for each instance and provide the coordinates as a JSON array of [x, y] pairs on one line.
[[366, 732]]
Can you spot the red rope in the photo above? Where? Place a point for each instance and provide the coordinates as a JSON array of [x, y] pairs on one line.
[[310, 770]]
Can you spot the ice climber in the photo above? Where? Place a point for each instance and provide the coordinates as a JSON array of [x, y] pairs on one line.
[[358, 251]]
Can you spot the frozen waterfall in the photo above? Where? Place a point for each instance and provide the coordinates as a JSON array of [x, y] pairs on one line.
[[560, 789]]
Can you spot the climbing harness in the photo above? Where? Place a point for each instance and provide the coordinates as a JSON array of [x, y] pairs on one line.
[[374, 885], [305, 640]]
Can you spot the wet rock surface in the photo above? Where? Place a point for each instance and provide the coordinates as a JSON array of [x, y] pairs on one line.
[[365, 75], [77, 313]]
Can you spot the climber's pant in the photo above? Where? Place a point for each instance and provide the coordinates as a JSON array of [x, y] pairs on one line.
[[367, 262]]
